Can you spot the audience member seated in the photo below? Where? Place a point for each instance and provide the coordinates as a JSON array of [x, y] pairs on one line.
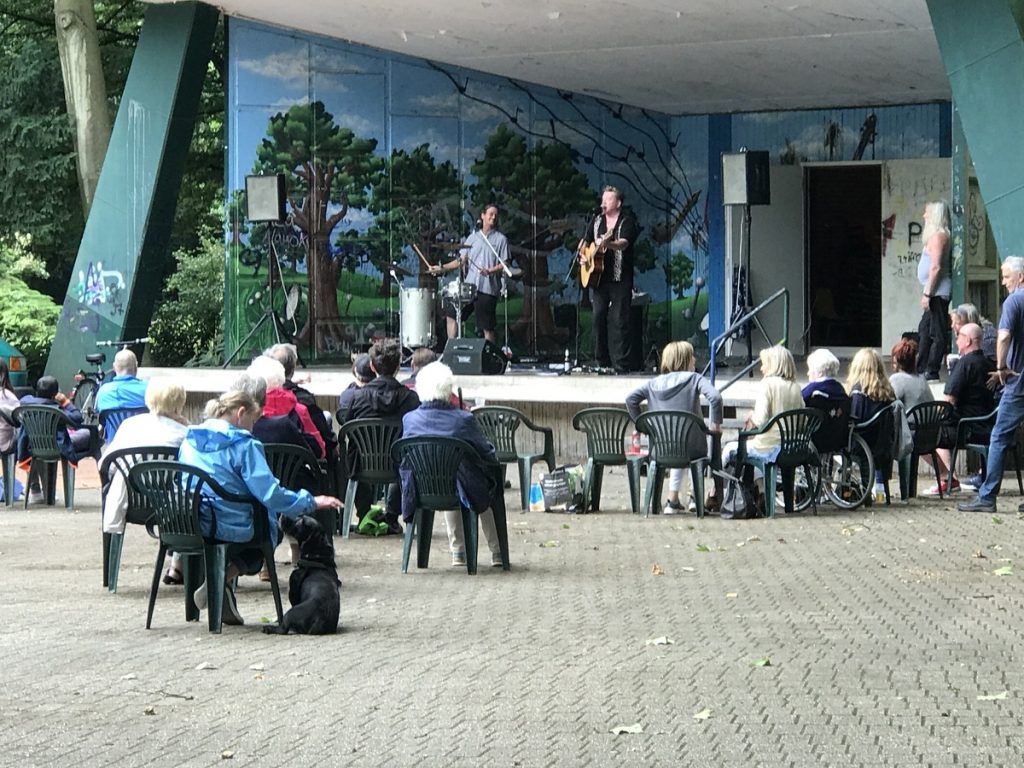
[[124, 390], [421, 357], [282, 402], [679, 388], [288, 356], [8, 402], [477, 483], [362, 374], [870, 392], [163, 425], [75, 444], [909, 387], [224, 447], [822, 369], [777, 392], [382, 398], [967, 391], [968, 313]]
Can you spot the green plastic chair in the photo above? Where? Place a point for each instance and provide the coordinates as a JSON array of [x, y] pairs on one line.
[[138, 512], [435, 462], [41, 423], [296, 468], [175, 491], [606, 429], [373, 440], [963, 430], [796, 449], [112, 418], [926, 420], [7, 460], [501, 423], [669, 433]]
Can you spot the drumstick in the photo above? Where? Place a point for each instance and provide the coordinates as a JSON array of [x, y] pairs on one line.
[[504, 266], [420, 254]]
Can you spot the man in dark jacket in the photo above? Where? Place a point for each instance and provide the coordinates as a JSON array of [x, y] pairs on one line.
[[382, 398]]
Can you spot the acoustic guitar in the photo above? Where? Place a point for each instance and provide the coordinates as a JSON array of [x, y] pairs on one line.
[[592, 262]]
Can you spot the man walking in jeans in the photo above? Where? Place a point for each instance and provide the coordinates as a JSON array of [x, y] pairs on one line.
[[1009, 365]]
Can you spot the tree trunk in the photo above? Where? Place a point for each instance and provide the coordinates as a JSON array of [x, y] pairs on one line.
[[536, 324], [85, 90]]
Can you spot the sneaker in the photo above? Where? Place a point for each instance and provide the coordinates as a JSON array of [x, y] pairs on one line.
[[458, 559], [231, 615], [199, 597], [673, 508], [496, 560], [973, 482], [934, 490], [36, 497]]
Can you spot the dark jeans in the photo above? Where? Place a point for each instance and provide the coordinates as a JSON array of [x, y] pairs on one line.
[[933, 336], [612, 302]]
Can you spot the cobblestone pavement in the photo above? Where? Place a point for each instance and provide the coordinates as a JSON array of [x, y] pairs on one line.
[[849, 639]]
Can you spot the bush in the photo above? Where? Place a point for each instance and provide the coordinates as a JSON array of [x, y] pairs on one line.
[[188, 326], [28, 318]]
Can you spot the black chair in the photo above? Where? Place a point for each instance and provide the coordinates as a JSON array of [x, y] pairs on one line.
[[669, 433], [371, 440], [114, 468], [605, 429], [879, 433], [41, 424], [796, 449], [112, 418], [500, 424], [296, 468], [434, 462], [176, 491], [969, 426], [8, 459], [926, 420]]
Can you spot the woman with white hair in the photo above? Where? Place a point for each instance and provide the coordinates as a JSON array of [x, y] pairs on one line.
[[933, 274], [282, 402], [162, 426], [822, 370], [436, 416]]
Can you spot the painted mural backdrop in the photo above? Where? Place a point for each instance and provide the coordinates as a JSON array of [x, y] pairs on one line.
[[387, 157]]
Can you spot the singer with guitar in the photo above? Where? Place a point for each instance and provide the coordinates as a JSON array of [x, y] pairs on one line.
[[606, 267]]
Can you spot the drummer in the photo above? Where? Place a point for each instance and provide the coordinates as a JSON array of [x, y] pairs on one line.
[[483, 270]]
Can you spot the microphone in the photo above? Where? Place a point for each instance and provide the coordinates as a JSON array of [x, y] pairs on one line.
[[598, 211]]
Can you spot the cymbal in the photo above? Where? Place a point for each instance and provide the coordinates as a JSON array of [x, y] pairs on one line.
[[449, 246]]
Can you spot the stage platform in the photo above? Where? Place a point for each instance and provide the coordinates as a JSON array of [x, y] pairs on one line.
[[549, 398]]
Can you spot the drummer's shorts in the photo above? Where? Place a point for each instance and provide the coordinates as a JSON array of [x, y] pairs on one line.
[[485, 306]]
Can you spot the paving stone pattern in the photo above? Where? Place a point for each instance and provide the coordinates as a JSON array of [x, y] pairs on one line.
[[882, 627]]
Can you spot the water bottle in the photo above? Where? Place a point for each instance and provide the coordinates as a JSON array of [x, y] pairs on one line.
[[879, 492], [568, 366]]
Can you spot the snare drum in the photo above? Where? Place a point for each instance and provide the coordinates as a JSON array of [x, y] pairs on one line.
[[452, 292], [417, 317]]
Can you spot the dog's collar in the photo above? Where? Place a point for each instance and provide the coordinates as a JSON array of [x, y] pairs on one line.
[[301, 563]]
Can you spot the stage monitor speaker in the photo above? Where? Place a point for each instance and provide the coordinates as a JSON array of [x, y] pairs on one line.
[[473, 357], [265, 198], [746, 179]]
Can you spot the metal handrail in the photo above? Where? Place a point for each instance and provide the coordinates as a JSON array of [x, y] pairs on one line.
[[716, 345]]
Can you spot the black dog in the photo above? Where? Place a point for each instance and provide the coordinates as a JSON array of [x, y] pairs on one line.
[[313, 586]]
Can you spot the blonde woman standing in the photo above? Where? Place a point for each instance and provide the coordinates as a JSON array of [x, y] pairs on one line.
[[933, 274]]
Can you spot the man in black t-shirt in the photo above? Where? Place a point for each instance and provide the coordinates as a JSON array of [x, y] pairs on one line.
[[967, 391]]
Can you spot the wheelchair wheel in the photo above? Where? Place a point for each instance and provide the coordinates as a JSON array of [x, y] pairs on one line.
[[803, 489], [849, 475]]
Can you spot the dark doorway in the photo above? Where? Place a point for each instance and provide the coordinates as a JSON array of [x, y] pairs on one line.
[[844, 255]]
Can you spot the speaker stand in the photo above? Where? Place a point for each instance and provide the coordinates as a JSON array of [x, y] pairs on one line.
[[748, 294]]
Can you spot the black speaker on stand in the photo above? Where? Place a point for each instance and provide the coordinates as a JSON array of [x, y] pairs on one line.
[[473, 357], [746, 181]]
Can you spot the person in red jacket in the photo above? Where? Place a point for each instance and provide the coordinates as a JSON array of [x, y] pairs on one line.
[[281, 401]]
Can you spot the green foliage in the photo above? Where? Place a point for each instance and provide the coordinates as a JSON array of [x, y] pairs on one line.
[[679, 273], [27, 317], [188, 326]]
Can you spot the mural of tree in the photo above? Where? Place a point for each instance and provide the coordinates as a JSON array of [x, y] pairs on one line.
[[679, 273], [534, 189], [326, 164], [415, 201]]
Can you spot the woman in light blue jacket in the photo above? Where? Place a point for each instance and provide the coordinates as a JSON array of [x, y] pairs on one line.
[[679, 388], [224, 447]]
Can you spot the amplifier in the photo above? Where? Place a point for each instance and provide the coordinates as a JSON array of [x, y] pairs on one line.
[[473, 357]]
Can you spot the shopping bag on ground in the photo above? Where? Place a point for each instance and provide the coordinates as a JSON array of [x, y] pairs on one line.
[[563, 489]]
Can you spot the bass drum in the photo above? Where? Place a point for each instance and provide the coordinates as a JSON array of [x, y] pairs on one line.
[[418, 317]]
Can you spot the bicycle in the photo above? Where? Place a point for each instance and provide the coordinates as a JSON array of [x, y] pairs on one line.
[[87, 383]]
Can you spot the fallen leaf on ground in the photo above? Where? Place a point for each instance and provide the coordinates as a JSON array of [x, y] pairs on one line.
[[549, 543], [150, 710], [704, 714], [689, 568], [565, 525], [731, 594], [129, 676], [753, 538], [227, 754], [657, 570], [703, 548], [997, 520], [257, 667], [205, 665], [1006, 570], [266, 620], [762, 662], [634, 728], [993, 696], [661, 641], [781, 541], [978, 554]]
